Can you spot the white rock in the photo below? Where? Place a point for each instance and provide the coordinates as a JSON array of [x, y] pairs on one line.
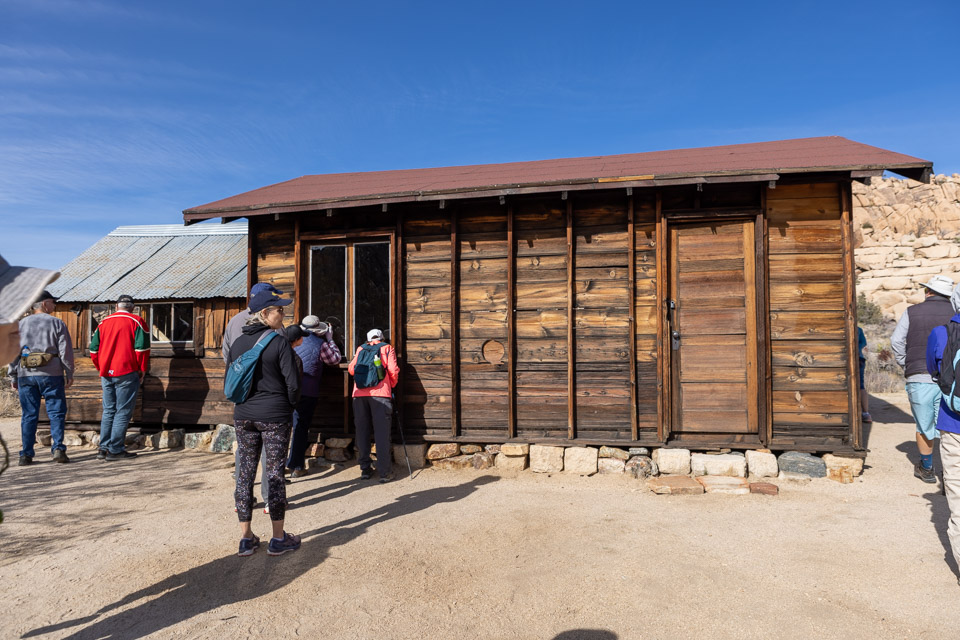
[[515, 449], [510, 463], [672, 461], [610, 465], [416, 453], [726, 464], [580, 460], [762, 464], [545, 459]]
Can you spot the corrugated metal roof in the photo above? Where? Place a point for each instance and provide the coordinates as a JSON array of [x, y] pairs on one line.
[[354, 189], [160, 263]]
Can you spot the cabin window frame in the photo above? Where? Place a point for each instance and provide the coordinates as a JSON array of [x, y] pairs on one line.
[[146, 311], [351, 342]]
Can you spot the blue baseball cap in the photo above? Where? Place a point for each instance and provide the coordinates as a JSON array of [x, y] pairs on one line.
[[264, 286], [266, 299]]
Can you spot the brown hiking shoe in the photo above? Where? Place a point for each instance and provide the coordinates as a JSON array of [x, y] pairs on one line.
[[60, 456]]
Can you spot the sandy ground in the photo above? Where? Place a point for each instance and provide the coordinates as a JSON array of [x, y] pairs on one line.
[[148, 548]]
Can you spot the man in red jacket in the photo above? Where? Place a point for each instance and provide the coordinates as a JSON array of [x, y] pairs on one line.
[[120, 350]]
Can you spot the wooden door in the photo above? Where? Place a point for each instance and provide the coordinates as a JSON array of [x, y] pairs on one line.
[[712, 329]]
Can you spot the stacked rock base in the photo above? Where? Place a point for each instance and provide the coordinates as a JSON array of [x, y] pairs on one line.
[[667, 470]]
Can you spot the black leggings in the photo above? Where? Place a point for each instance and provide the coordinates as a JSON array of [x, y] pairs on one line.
[[274, 438]]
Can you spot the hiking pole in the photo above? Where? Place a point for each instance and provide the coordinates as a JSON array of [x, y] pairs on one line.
[[396, 419]]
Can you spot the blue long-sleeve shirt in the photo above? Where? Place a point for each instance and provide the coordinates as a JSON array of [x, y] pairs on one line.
[[947, 420]]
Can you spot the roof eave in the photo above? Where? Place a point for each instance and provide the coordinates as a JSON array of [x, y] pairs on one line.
[[920, 171]]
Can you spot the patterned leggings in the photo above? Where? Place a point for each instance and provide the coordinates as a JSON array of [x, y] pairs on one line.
[[275, 439]]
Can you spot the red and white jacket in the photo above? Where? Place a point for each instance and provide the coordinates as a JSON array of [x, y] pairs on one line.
[[121, 345]]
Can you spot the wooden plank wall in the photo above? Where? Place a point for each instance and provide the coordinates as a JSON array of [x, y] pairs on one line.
[[808, 329], [601, 321]]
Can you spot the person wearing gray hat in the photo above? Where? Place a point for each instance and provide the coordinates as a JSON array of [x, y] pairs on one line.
[[316, 350], [44, 371], [19, 288], [909, 346]]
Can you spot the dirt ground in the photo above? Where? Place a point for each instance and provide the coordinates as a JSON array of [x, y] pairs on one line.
[[148, 548]]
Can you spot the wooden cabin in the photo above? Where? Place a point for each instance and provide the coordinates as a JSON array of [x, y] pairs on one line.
[[187, 283], [701, 298]]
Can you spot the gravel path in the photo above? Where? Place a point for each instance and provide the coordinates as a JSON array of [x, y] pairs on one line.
[[147, 548]]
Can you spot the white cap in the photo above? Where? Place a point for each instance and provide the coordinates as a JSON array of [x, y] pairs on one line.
[[374, 334]]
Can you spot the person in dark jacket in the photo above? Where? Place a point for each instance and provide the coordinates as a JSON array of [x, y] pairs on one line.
[[264, 418], [316, 350], [909, 346]]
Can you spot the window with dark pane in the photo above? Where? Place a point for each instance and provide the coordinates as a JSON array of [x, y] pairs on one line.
[[371, 289], [328, 281], [183, 322], [161, 322]]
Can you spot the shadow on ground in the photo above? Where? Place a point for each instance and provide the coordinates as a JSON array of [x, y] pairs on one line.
[[586, 634], [45, 481], [231, 579]]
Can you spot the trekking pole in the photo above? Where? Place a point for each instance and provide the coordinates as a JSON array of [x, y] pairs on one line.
[[396, 419]]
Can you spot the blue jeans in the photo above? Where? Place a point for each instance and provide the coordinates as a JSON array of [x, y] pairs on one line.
[[302, 417], [32, 389], [119, 399]]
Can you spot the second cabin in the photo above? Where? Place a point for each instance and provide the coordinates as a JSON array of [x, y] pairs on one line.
[[700, 298]]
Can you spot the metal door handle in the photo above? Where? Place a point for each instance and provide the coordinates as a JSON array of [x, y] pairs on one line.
[[675, 340]]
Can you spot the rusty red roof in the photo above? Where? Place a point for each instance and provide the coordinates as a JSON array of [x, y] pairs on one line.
[[761, 160]]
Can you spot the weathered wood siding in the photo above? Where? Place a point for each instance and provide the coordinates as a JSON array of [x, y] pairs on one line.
[[808, 317], [515, 317]]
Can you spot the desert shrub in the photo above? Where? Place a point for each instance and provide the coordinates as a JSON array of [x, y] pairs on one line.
[[882, 373], [866, 225], [868, 313], [9, 400]]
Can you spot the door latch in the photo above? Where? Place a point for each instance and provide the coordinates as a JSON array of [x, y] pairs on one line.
[[675, 340]]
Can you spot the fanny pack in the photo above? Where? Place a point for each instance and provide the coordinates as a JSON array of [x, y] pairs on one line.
[[36, 359]]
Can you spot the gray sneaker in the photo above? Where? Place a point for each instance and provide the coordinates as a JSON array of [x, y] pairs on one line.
[[927, 475]]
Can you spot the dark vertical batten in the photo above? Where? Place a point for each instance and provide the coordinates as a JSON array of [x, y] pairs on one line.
[[850, 295], [571, 347], [631, 315], [454, 327], [511, 327]]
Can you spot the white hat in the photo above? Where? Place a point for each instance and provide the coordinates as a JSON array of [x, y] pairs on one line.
[[939, 284], [313, 324], [19, 288], [374, 334]]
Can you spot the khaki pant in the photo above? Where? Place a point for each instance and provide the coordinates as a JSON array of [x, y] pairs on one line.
[[950, 458]]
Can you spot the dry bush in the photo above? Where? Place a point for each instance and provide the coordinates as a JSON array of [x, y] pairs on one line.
[[9, 400], [882, 374]]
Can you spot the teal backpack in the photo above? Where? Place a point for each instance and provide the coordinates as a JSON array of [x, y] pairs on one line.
[[238, 379], [368, 371], [949, 364]]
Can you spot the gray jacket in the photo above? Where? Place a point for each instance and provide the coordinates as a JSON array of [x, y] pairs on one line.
[[43, 333], [233, 331]]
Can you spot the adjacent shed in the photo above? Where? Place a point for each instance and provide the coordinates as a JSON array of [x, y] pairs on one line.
[[187, 282], [698, 297]]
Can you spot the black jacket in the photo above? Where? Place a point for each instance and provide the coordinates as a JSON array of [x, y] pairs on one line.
[[276, 381]]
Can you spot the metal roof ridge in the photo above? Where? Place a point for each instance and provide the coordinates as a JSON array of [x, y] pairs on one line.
[[235, 228]]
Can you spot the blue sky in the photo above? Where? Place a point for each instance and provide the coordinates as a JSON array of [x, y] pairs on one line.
[[121, 112]]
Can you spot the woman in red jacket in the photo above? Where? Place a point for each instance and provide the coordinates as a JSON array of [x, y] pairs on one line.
[[373, 405]]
